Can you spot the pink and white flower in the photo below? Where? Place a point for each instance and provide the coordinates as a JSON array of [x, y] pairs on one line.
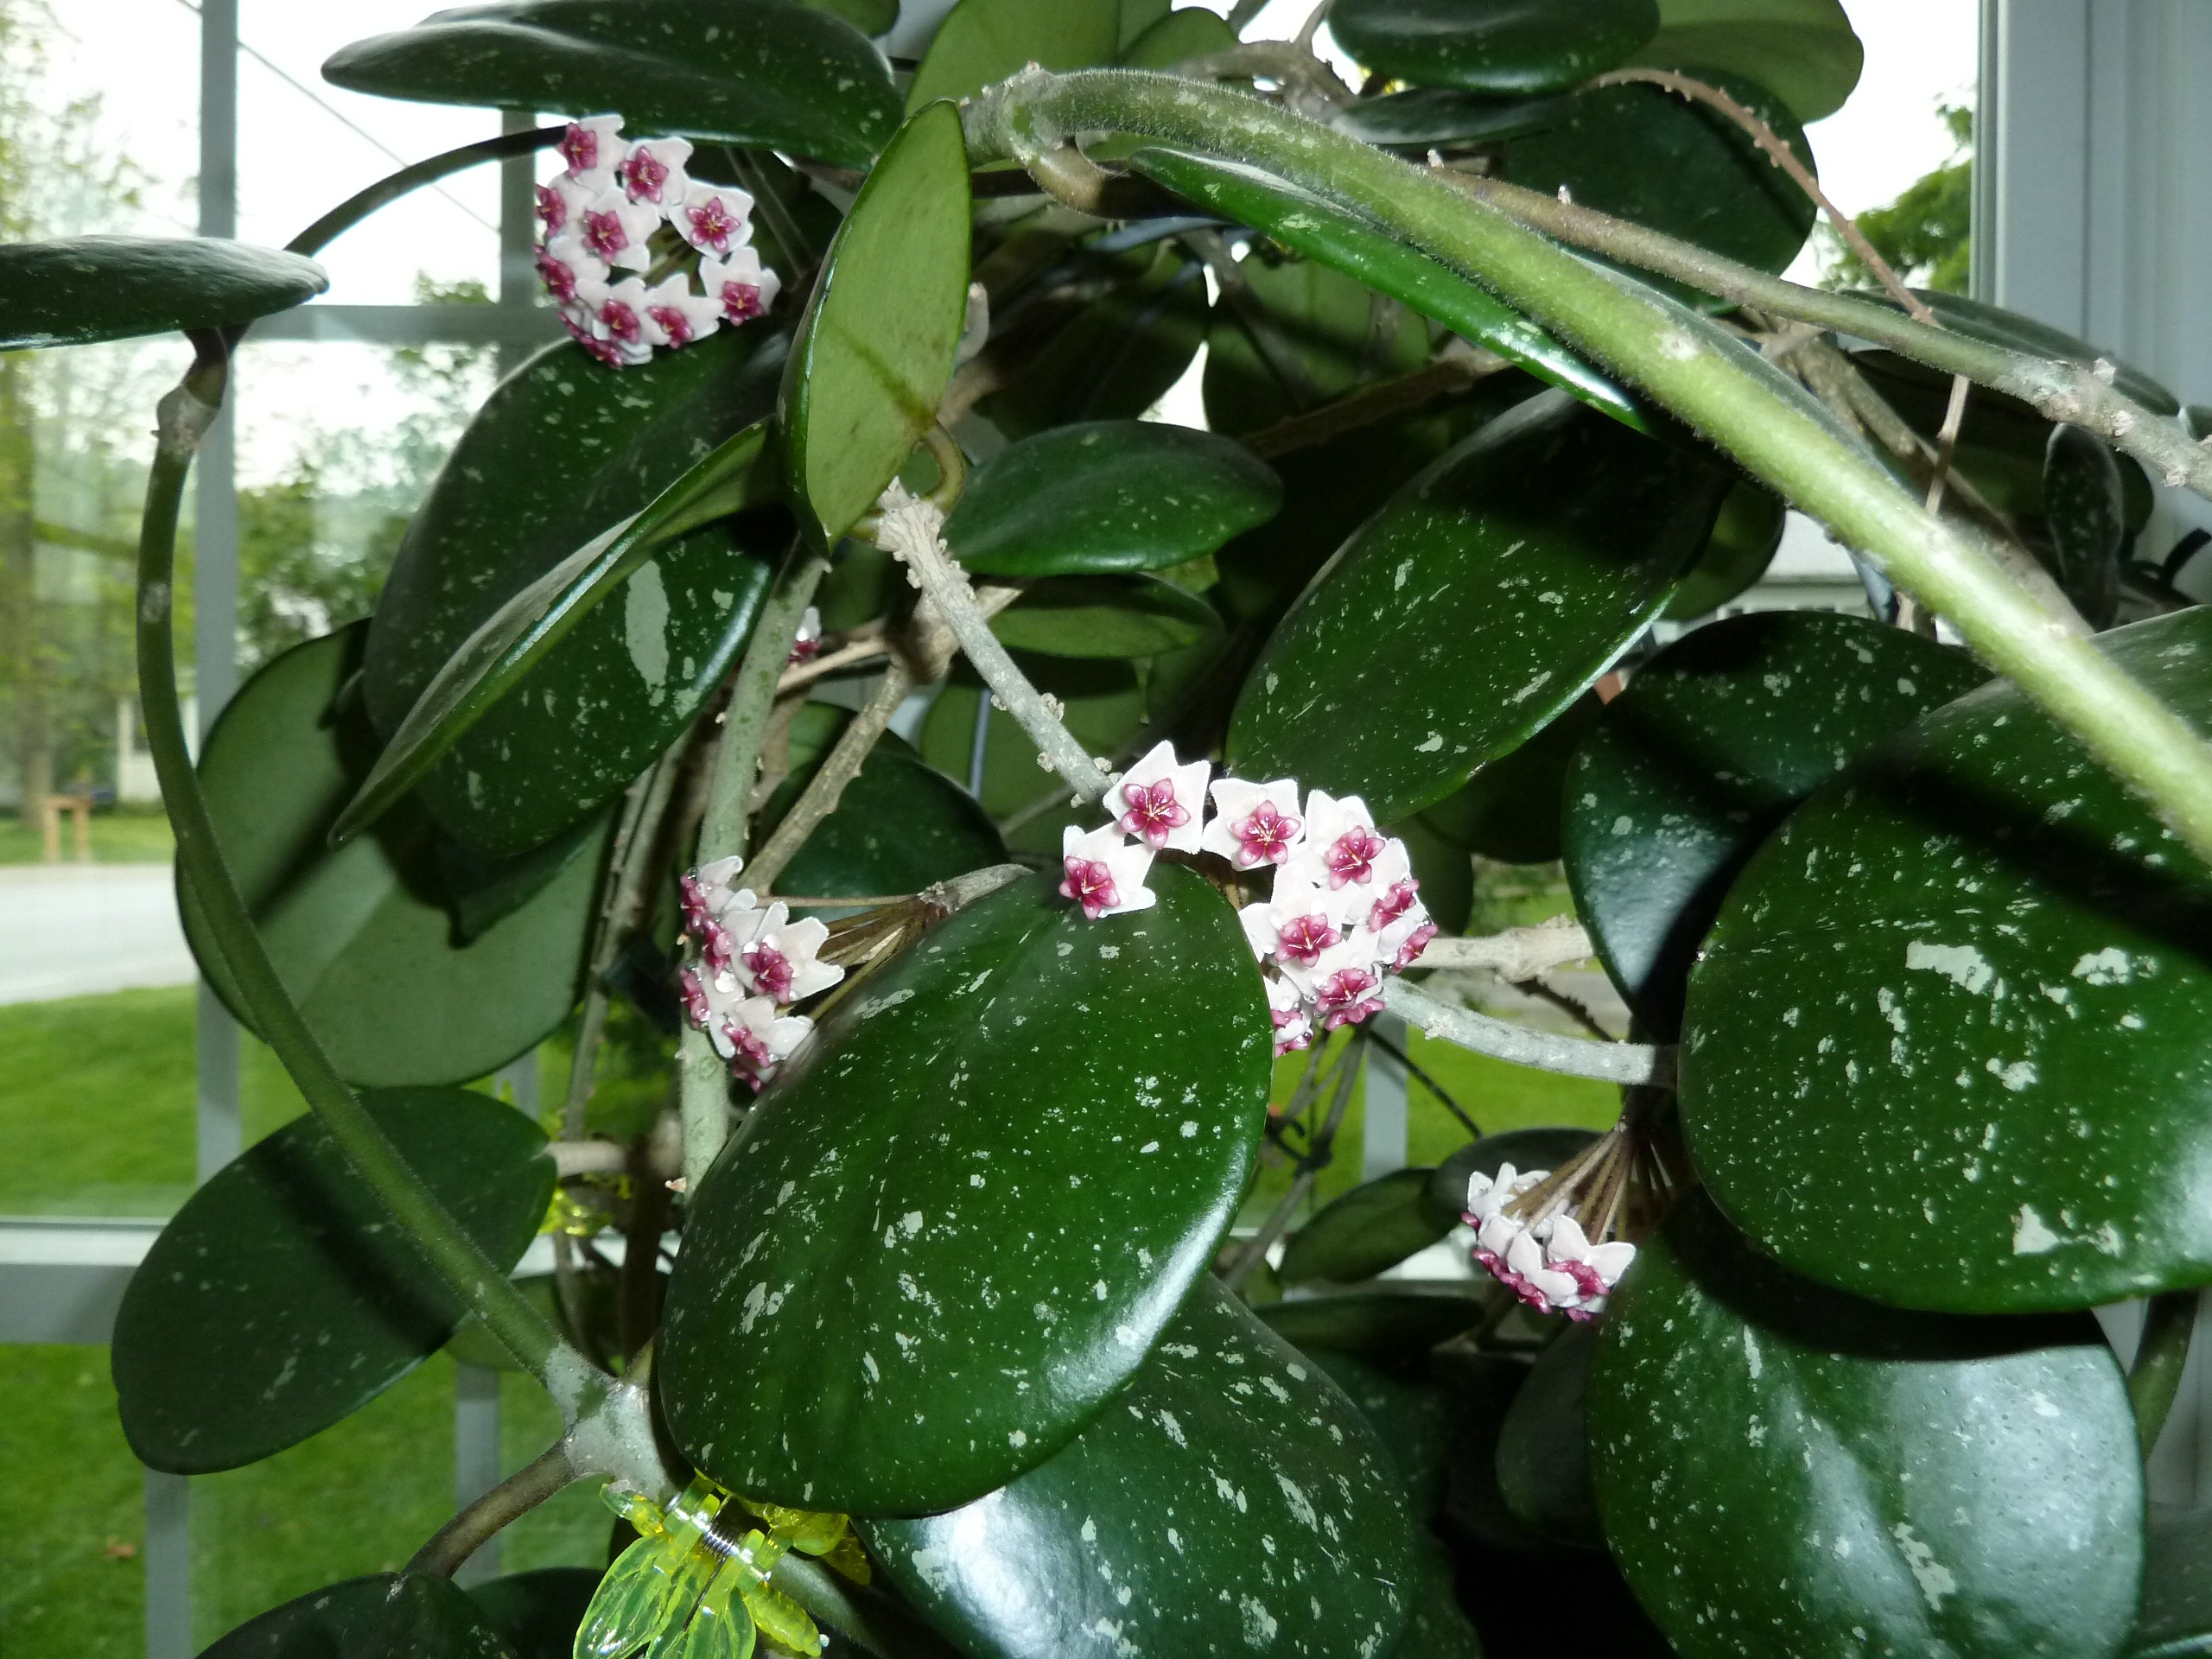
[[1287, 1008], [620, 313], [561, 205], [1342, 985], [806, 644], [1343, 848], [592, 148], [1104, 873], [1298, 922], [1595, 1268], [777, 957], [615, 229], [572, 274], [651, 171], [1161, 802], [740, 284], [580, 321], [1253, 823], [714, 217], [678, 314], [1551, 1265]]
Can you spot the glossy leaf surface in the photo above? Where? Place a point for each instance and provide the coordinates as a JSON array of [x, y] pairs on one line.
[[562, 452], [1644, 153], [360, 934], [1106, 616], [1803, 50], [1322, 232], [1961, 996], [1329, 333], [1713, 742], [2024, 334], [770, 73], [1502, 45], [281, 1298], [2176, 1620], [2085, 512], [1376, 1225], [1959, 1486], [877, 345], [1742, 545], [1385, 1327], [982, 42], [1477, 605], [1107, 496], [1232, 1500], [1509, 809], [955, 1225], [1543, 1447], [385, 1617], [1193, 32], [80, 288], [537, 1612], [1420, 116]]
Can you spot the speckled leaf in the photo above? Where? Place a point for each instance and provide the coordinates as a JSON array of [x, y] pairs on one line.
[[1376, 1225], [1525, 1149], [281, 1298], [1713, 742], [985, 41], [1509, 809], [1961, 997], [360, 935], [876, 346], [1106, 616], [1502, 46], [1413, 1419], [562, 451], [1384, 1326], [770, 73], [1644, 153], [1108, 496], [1778, 1465], [2176, 1620], [82, 288], [385, 1617], [1232, 1500], [1325, 232], [1543, 1449], [1477, 605], [951, 1231], [2085, 512], [1804, 49], [538, 1613], [1742, 545], [899, 825]]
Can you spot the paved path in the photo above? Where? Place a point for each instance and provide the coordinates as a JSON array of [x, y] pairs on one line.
[[78, 930]]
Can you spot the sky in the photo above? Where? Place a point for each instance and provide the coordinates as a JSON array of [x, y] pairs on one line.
[[305, 146]]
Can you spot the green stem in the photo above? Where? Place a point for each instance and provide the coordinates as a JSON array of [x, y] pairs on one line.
[[386, 191], [1738, 401], [452, 1545], [875, 1621], [703, 1077], [2169, 1320], [185, 415]]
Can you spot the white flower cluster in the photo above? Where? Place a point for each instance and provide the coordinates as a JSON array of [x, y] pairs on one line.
[[1550, 1264], [754, 963], [1343, 912], [599, 218]]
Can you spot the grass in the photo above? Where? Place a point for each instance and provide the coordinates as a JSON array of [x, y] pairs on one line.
[[120, 835]]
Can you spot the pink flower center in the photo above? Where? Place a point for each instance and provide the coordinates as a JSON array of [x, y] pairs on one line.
[[603, 233], [1392, 905], [620, 321], [712, 225], [552, 209], [696, 914], [558, 276], [802, 651], [1153, 812], [1416, 942], [643, 175], [673, 323], [1265, 837], [605, 350], [740, 301], [1303, 938], [1091, 884], [579, 148], [1343, 997], [771, 971], [1351, 858], [694, 1000]]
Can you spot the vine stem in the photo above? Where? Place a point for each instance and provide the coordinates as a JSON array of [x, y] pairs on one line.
[[390, 188], [1540, 1050], [2169, 1321], [452, 1545], [577, 1387], [1721, 388]]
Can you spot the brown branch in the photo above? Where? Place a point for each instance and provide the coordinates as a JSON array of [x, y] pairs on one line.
[[515, 1496]]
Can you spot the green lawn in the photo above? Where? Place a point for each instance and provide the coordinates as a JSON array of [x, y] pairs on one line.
[[123, 836]]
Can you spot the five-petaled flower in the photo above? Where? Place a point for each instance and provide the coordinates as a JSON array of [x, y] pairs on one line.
[[615, 229], [1161, 803], [740, 284], [1253, 823], [1103, 873], [1550, 1264], [714, 217], [679, 315], [653, 172], [593, 147]]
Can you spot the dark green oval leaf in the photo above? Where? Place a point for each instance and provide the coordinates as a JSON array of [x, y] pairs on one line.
[[1109, 496], [982, 42], [1509, 809], [1960, 996], [871, 17], [1743, 543], [282, 1298], [1231, 1500], [538, 1613], [360, 935], [1803, 50], [2085, 512], [82, 288], [497, 659], [1474, 607], [1525, 1149], [1543, 1448], [2010, 329], [1376, 1225], [1644, 153], [1326, 332], [1106, 616], [1193, 32], [769, 72], [953, 1229], [876, 346], [1502, 46], [1778, 1465], [563, 452], [1713, 742], [2176, 1621], [1322, 232], [1386, 1327], [1421, 116], [385, 1617]]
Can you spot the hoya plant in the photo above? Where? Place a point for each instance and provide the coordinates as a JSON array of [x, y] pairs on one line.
[[920, 1076]]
